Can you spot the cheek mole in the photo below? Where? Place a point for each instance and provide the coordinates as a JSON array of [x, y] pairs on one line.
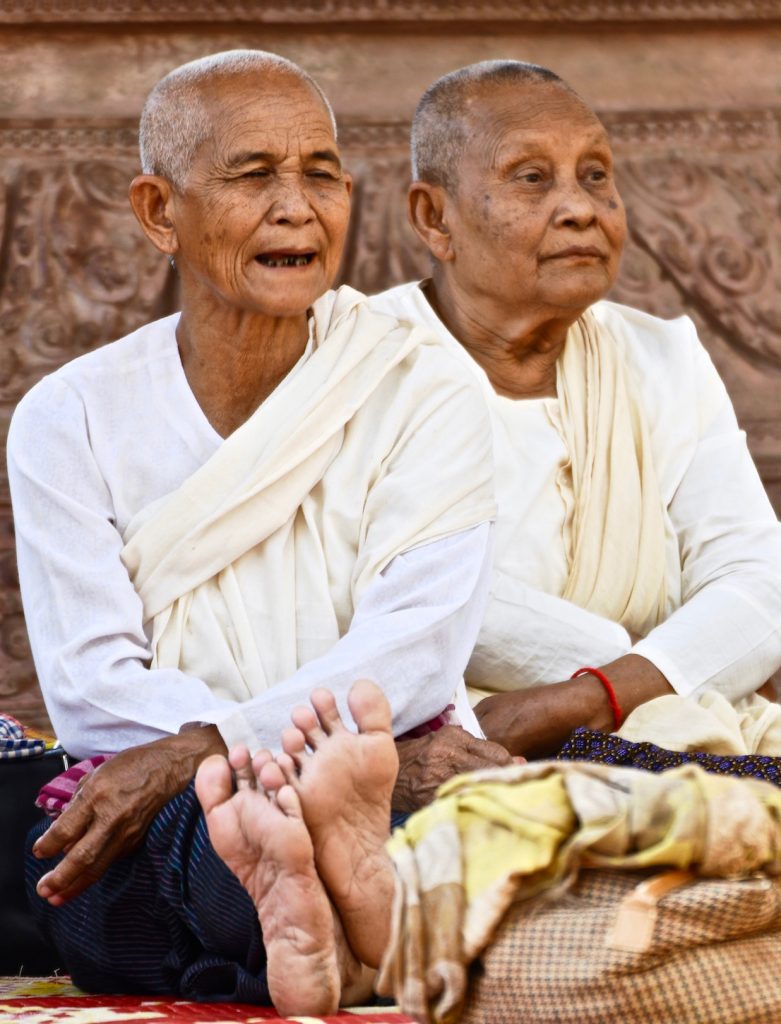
[[612, 204]]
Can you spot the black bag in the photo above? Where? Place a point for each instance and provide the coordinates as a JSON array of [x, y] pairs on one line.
[[23, 949]]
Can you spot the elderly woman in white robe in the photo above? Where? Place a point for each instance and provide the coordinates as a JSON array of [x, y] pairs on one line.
[[275, 489], [635, 544]]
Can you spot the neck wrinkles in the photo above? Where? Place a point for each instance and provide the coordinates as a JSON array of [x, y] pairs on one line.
[[233, 360], [518, 353]]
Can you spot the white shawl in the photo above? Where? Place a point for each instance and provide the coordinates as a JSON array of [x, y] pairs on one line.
[[255, 564], [618, 568]]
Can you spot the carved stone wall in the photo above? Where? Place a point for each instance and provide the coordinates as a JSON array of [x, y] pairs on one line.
[[691, 91]]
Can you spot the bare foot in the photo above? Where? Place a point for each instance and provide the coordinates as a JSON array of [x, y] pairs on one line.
[[264, 841], [345, 784]]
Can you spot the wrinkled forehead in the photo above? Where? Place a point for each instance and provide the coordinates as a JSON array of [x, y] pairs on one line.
[[499, 113], [276, 103]]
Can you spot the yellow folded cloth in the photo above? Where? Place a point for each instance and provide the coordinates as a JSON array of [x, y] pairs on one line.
[[498, 836]]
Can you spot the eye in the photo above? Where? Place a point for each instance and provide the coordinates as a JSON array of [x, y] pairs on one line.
[[257, 172], [530, 176], [597, 175], [323, 173]]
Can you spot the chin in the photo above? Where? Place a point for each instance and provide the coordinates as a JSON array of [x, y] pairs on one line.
[[580, 295], [290, 304]]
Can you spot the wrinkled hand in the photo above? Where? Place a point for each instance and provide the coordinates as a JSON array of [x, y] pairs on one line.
[[428, 761], [112, 809], [536, 722]]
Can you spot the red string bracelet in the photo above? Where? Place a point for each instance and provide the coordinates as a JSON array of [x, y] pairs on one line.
[[615, 707]]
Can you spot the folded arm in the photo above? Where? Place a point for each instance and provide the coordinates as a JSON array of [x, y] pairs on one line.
[[412, 632], [725, 634]]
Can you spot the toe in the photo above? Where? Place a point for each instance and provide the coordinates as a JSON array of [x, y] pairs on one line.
[[213, 782], [288, 801], [308, 724], [289, 767], [272, 777], [262, 757], [324, 703], [369, 707], [241, 763], [294, 744]]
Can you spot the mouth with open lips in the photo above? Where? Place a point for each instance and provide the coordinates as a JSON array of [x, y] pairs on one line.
[[286, 258]]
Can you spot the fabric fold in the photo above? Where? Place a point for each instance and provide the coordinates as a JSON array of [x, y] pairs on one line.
[[618, 560], [507, 835], [255, 564]]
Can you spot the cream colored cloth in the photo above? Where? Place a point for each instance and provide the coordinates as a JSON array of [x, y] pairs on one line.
[[722, 623], [254, 565], [500, 836], [710, 725], [617, 565]]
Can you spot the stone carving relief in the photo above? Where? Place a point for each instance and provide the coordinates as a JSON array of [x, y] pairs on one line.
[[75, 270], [711, 224], [314, 11]]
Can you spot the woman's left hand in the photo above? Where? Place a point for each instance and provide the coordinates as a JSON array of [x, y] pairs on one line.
[[538, 721], [110, 813]]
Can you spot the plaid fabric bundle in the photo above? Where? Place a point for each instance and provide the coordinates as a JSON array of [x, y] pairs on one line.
[[506, 844], [706, 952], [55, 796], [15, 742]]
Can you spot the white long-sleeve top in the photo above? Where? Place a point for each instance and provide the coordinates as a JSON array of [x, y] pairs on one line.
[[724, 630], [111, 432]]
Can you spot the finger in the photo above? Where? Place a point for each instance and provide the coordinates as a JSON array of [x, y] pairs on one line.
[[488, 751], [78, 869], [213, 782], [72, 824]]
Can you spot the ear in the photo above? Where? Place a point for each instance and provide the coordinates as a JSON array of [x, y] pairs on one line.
[[426, 208], [151, 198]]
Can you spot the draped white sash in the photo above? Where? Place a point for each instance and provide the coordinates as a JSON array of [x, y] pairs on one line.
[[618, 565], [245, 571]]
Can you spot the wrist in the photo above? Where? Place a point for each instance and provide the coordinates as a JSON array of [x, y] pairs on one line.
[[609, 722], [186, 749]]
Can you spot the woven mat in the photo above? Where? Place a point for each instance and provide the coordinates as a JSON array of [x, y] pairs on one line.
[[56, 1001]]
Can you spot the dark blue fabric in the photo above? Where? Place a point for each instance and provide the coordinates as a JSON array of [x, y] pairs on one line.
[[170, 919], [607, 748]]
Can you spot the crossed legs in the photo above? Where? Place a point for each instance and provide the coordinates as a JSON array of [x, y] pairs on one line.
[[305, 834]]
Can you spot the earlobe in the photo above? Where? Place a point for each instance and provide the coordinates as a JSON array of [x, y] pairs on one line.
[[151, 198]]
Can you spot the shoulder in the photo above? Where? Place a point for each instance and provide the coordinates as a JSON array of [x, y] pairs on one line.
[[400, 301], [642, 334], [669, 363], [94, 378]]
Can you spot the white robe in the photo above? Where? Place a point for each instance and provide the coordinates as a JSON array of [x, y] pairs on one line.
[[115, 432], [723, 627]]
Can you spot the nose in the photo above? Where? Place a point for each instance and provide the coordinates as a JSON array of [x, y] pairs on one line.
[[575, 206], [291, 203]]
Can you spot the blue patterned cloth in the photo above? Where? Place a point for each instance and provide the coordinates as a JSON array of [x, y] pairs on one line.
[[169, 919], [14, 743], [606, 748]]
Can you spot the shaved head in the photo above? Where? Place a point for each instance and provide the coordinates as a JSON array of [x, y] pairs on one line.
[[441, 126], [176, 120]]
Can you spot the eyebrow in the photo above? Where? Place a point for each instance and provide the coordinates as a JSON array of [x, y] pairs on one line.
[[260, 156]]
